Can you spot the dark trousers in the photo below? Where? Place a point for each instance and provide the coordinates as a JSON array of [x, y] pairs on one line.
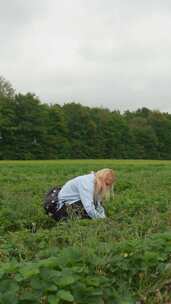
[[51, 206]]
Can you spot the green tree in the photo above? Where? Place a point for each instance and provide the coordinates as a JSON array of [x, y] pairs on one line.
[[77, 119], [161, 123], [30, 127], [6, 89], [144, 139], [7, 128], [56, 143]]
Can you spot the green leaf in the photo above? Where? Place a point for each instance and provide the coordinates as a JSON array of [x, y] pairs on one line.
[[66, 280], [18, 277], [31, 297], [52, 288], [37, 284], [53, 300], [1, 273], [29, 271], [65, 295], [8, 298], [50, 262]]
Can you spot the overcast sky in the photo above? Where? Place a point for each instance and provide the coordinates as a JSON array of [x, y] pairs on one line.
[[110, 53]]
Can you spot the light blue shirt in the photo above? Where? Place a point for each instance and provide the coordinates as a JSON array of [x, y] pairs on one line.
[[81, 188]]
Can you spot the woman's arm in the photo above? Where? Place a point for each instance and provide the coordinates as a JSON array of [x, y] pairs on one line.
[[100, 209], [86, 196]]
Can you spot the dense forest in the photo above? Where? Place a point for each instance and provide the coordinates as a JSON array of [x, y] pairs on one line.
[[30, 129]]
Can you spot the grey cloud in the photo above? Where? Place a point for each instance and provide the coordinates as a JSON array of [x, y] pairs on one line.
[[115, 53], [19, 12]]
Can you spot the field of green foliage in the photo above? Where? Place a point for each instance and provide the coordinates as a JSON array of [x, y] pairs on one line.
[[123, 259]]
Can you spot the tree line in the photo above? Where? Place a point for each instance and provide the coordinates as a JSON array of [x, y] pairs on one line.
[[30, 129]]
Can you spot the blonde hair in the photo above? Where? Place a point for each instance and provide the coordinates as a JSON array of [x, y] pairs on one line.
[[101, 190]]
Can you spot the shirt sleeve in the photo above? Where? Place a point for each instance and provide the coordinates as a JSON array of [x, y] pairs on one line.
[[100, 209], [86, 196]]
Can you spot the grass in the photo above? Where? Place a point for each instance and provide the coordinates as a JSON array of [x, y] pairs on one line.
[[124, 258]]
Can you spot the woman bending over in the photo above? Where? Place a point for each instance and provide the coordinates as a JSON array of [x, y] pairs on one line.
[[83, 194]]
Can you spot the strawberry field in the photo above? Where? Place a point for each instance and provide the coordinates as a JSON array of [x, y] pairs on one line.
[[123, 259]]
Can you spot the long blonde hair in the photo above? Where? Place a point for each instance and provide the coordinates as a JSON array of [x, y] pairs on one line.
[[101, 190]]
